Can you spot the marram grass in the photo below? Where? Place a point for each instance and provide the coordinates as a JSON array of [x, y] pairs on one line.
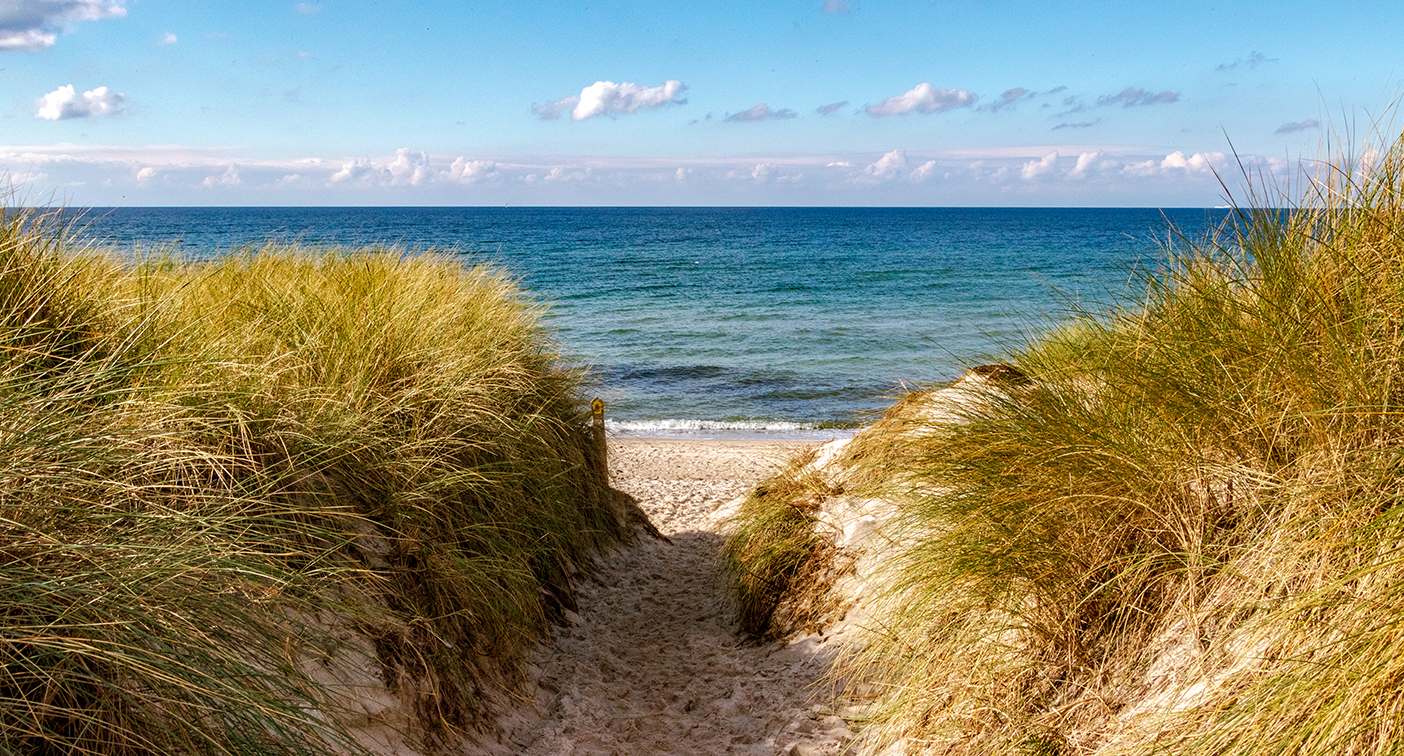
[[1185, 535], [197, 458]]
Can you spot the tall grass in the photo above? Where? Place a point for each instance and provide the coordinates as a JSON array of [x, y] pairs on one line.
[[1185, 534], [776, 560], [198, 461]]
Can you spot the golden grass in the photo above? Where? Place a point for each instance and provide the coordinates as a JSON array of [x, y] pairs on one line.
[[193, 456], [1184, 536]]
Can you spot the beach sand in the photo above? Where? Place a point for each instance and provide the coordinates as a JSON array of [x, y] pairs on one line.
[[652, 663]]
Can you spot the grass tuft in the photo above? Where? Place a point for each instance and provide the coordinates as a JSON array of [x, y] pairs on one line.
[[1183, 533], [202, 463]]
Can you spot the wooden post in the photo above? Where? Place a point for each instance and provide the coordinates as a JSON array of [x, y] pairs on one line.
[[597, 427]]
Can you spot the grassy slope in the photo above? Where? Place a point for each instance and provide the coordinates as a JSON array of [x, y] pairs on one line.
[[196, 458], [1185, 535]]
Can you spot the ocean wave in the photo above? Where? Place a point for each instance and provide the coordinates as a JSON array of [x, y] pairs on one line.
[[640, 426]]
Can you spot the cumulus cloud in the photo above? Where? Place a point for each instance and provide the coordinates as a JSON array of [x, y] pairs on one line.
[[1288, 128], [1199, 162], [465, 171], [888, 166], [359, 169], [1131, 97], [145, 174], [1175, 162], [560, 174], [1036, 168], [1253, 60], [230, 177], [31, 25], [609, 99], [408, 167], [835, 6], [1009, 97], [763, 172], [830, 109], [923, 98], [922, 172], [65, 103], [166, 39], [761, 112], [1085, 161]]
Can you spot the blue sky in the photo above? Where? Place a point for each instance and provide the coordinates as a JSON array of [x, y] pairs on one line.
[[804, 102]]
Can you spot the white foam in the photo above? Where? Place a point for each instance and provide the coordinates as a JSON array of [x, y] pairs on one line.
[[637, 426], [780, 430]]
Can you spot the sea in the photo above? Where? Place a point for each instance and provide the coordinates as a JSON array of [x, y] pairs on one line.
[[740, 322]]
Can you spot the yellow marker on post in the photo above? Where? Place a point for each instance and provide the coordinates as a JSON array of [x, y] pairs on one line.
[[598, 428]]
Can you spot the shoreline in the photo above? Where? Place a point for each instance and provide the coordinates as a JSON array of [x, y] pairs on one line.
[[799, 436]]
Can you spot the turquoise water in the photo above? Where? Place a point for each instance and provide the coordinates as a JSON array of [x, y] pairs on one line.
[[715, 321]]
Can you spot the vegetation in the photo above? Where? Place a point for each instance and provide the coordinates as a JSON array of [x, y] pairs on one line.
[[200, 464], [1185, 533], [776, 553]]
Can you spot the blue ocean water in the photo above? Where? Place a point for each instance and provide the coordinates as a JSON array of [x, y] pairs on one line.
[[714, 321]]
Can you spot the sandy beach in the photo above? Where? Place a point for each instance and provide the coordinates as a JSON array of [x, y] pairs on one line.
[[652, 664]]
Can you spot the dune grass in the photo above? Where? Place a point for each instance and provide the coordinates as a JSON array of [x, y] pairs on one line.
[[1185, 535], [775, 553], [197, 461]]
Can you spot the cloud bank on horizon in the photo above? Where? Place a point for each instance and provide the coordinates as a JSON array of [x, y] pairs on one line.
[[314, 103]]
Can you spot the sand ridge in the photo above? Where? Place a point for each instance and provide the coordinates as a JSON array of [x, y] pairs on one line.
[[652, 663]]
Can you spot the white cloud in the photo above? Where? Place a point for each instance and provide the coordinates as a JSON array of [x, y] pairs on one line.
[[1143, 168], [15, 179], [553, 110], [31, 25], [922, 172], [359, 169], [610, 99], [1199, 162], [1085, 161], [408, 167], [923, 98], [465, 171], [761, 112], [230, 177], [64, 103], [888, 166], [160, 173], [166, 39], [560, 175], [1036, 168]]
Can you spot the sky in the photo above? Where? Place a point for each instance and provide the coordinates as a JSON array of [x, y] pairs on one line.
[[626, 102]]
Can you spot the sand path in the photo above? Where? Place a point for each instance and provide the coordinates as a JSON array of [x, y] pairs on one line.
[[652, 663]]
